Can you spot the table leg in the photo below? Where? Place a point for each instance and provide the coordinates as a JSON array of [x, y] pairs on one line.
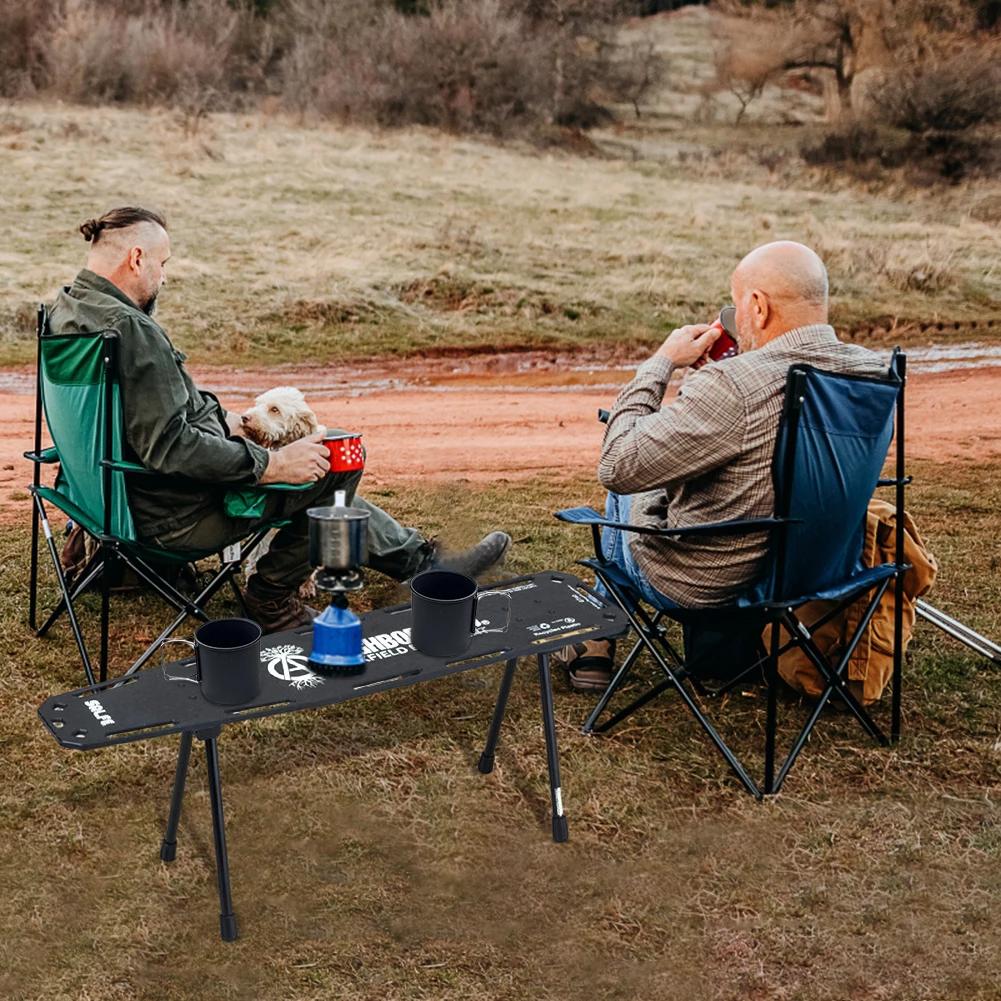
[[227, 919], [168, 847], [486, 764], [560, 832]]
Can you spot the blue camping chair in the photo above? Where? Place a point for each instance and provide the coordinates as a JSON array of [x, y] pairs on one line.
[[832, 443], [79, 392]]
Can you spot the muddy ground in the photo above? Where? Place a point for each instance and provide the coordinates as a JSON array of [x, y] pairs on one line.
[[509, 416]]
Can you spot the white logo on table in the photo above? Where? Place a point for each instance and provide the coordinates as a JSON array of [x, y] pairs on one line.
[[581, 596], [290, 664], [100, 714], [555, 626], [395, 644], [386, 645]]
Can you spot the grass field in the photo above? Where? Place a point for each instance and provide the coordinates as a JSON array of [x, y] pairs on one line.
[[371, 860], [293, 241]]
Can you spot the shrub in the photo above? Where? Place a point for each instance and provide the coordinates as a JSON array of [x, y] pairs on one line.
[[23, 26], [866, 151], [953, 95], [468, 66], [857, 143], [496, 66], [462, 68], [101, 54]]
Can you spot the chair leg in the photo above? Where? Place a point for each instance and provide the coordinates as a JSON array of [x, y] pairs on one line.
[[227, 919], [835, 684], [33, 583], [613, 687], [804, 736], [194, 608], [168, 847], [898, 655], [771, 722], [109, 563], [93, 569], [560, 831], [486, 765], [47, 531], [675, 681], [835, 676], [239, 595]]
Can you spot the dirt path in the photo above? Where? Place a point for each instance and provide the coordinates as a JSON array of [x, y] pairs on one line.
[[510, 421]]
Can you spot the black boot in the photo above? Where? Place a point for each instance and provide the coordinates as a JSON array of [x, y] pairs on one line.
[[478, 559]]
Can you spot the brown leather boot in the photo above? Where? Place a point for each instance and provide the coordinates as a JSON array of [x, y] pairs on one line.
[[275, 609]]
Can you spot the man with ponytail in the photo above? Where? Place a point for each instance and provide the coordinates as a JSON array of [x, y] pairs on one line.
[[196, 449]]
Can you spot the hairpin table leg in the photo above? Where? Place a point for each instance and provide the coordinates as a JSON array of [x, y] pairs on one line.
[[560, 832], [168, 848], [486, 765]]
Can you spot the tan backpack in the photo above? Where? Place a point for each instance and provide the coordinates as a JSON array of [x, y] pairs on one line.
[[871, 665]]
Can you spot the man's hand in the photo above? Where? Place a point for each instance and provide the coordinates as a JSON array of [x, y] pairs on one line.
[[234, 424], [304, 461], [687, 345]]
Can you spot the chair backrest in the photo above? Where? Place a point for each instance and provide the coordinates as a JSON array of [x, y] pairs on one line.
[[78, 384], [832, 444]]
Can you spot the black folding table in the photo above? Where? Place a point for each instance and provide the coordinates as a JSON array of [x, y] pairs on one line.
[[548, 611]]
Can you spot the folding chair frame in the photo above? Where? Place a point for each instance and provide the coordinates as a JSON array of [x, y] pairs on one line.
[[651, 634], [110, 549]]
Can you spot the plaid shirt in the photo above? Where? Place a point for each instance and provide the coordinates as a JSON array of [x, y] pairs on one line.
[[708, 457]]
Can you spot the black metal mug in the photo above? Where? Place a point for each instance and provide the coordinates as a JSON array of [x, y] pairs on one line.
[[227, 661], [443, 612]]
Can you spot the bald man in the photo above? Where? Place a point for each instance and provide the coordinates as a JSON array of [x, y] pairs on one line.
[[195, 451], [707, 457]]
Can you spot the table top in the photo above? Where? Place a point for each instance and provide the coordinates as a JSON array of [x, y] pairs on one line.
[[549, 610]]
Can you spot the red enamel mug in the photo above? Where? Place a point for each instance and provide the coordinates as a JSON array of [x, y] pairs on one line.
[[346, 453]]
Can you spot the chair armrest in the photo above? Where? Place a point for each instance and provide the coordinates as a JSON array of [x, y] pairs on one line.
[[47, 456], [588, 516], [288, 487], [121, 466]]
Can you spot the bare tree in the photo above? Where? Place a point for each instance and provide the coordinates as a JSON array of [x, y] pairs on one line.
[[844, 37], [746, 59]]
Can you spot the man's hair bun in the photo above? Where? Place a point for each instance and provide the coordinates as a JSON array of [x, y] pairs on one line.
[[120, 218], [90, 229]]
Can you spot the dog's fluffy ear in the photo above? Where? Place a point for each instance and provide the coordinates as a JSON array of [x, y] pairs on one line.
[[303, 425], [312, 424]]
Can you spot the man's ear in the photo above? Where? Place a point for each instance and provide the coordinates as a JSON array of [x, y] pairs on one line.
[[761, 308], [136, 259]]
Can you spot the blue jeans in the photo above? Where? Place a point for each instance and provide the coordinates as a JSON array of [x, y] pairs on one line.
[[615, 549]]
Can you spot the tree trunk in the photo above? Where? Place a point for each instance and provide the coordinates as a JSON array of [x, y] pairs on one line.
[[844, 82]]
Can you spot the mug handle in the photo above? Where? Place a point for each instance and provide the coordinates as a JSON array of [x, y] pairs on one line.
[[482, 596], [197, 679]]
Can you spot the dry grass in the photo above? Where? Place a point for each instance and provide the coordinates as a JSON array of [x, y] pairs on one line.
[[292, 241], [371, 861]]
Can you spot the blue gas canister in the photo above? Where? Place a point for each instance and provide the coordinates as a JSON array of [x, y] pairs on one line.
[[337, 641]]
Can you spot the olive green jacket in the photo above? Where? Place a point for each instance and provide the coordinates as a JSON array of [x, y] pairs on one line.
[[171, 427]]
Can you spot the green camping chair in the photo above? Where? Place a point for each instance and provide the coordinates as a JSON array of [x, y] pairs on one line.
[[78, 390]]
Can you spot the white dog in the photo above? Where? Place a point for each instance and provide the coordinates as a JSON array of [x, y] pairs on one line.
[[279, 417]]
